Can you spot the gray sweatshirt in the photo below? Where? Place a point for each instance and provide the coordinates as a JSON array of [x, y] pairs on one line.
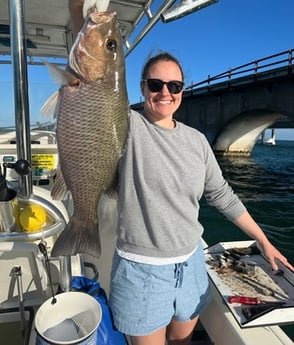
[[163, 175]]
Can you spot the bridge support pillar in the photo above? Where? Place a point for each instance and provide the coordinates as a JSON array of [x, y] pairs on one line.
[[239, 136]]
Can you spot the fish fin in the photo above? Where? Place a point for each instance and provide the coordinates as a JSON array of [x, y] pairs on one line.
[[113, 194], [78, 237], [60, 76], [59, 189], [112, 191], [51, 105]]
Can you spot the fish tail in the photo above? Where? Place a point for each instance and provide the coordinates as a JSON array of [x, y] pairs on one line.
[[80, 237]]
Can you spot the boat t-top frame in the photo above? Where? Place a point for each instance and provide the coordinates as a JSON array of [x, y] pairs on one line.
[[34, 29]]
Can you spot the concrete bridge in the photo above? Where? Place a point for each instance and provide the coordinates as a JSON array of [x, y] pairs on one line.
[[233, 108]]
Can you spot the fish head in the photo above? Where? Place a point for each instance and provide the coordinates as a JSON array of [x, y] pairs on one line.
[[97, 52]]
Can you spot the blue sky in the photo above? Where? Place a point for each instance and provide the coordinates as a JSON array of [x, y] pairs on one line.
[[226, 34]]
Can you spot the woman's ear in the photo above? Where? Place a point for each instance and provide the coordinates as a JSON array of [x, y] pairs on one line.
[[142, 85]]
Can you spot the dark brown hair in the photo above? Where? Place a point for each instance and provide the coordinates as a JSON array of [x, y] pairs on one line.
[[163, 56]]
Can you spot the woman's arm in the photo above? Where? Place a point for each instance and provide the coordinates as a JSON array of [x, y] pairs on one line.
[[246, 223], [76, 15]]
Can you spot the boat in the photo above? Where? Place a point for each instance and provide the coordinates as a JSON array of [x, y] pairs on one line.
[[218, 325], [269, 141], [29, 275], [44, 158]]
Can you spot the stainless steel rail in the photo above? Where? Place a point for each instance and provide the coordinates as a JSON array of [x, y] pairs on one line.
[[21, 100]]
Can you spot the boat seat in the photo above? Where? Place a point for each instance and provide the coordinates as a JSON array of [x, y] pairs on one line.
[[23, 285], [27, 259], [34, 277]]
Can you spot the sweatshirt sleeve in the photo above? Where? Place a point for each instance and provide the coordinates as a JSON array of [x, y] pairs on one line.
[[217, 192]]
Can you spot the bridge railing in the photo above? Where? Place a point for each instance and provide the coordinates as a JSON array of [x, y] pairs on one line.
[[268, 63]]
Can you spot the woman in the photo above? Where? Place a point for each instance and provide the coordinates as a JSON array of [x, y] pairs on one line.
[[159, 282]]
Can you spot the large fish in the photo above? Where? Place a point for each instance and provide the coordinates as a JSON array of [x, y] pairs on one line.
[[92, 111]]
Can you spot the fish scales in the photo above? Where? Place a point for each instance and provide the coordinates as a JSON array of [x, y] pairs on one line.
[[91, 131], [88, 162]]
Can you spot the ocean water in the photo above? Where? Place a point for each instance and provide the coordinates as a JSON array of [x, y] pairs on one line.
[[265, 183]]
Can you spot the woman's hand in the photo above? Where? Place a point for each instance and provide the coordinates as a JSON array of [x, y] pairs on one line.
[[247, 224], [273, 254], [76, 15]]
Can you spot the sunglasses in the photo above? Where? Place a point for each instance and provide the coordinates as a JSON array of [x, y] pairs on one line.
[[156, 85]]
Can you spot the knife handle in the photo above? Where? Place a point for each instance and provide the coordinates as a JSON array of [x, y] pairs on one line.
[[243, 300]]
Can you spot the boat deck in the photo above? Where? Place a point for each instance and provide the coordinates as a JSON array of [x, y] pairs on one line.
[[218, 326]]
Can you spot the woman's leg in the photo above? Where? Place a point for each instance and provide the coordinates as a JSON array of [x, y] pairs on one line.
[[155, 338], [177, 333], [180, 333]]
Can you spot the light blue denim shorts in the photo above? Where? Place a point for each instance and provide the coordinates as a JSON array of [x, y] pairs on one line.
[[144, 298]]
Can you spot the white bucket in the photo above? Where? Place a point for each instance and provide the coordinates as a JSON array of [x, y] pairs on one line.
[[73, 319]]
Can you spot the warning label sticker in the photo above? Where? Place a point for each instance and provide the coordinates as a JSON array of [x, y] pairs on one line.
[[45, 161]]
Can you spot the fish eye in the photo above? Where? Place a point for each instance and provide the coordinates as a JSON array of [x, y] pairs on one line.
[[111, 45]]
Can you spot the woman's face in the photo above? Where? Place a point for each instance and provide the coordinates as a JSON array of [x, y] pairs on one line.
[[160, 106]]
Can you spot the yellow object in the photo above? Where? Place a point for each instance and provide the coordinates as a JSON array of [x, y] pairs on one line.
[[32, 218]]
